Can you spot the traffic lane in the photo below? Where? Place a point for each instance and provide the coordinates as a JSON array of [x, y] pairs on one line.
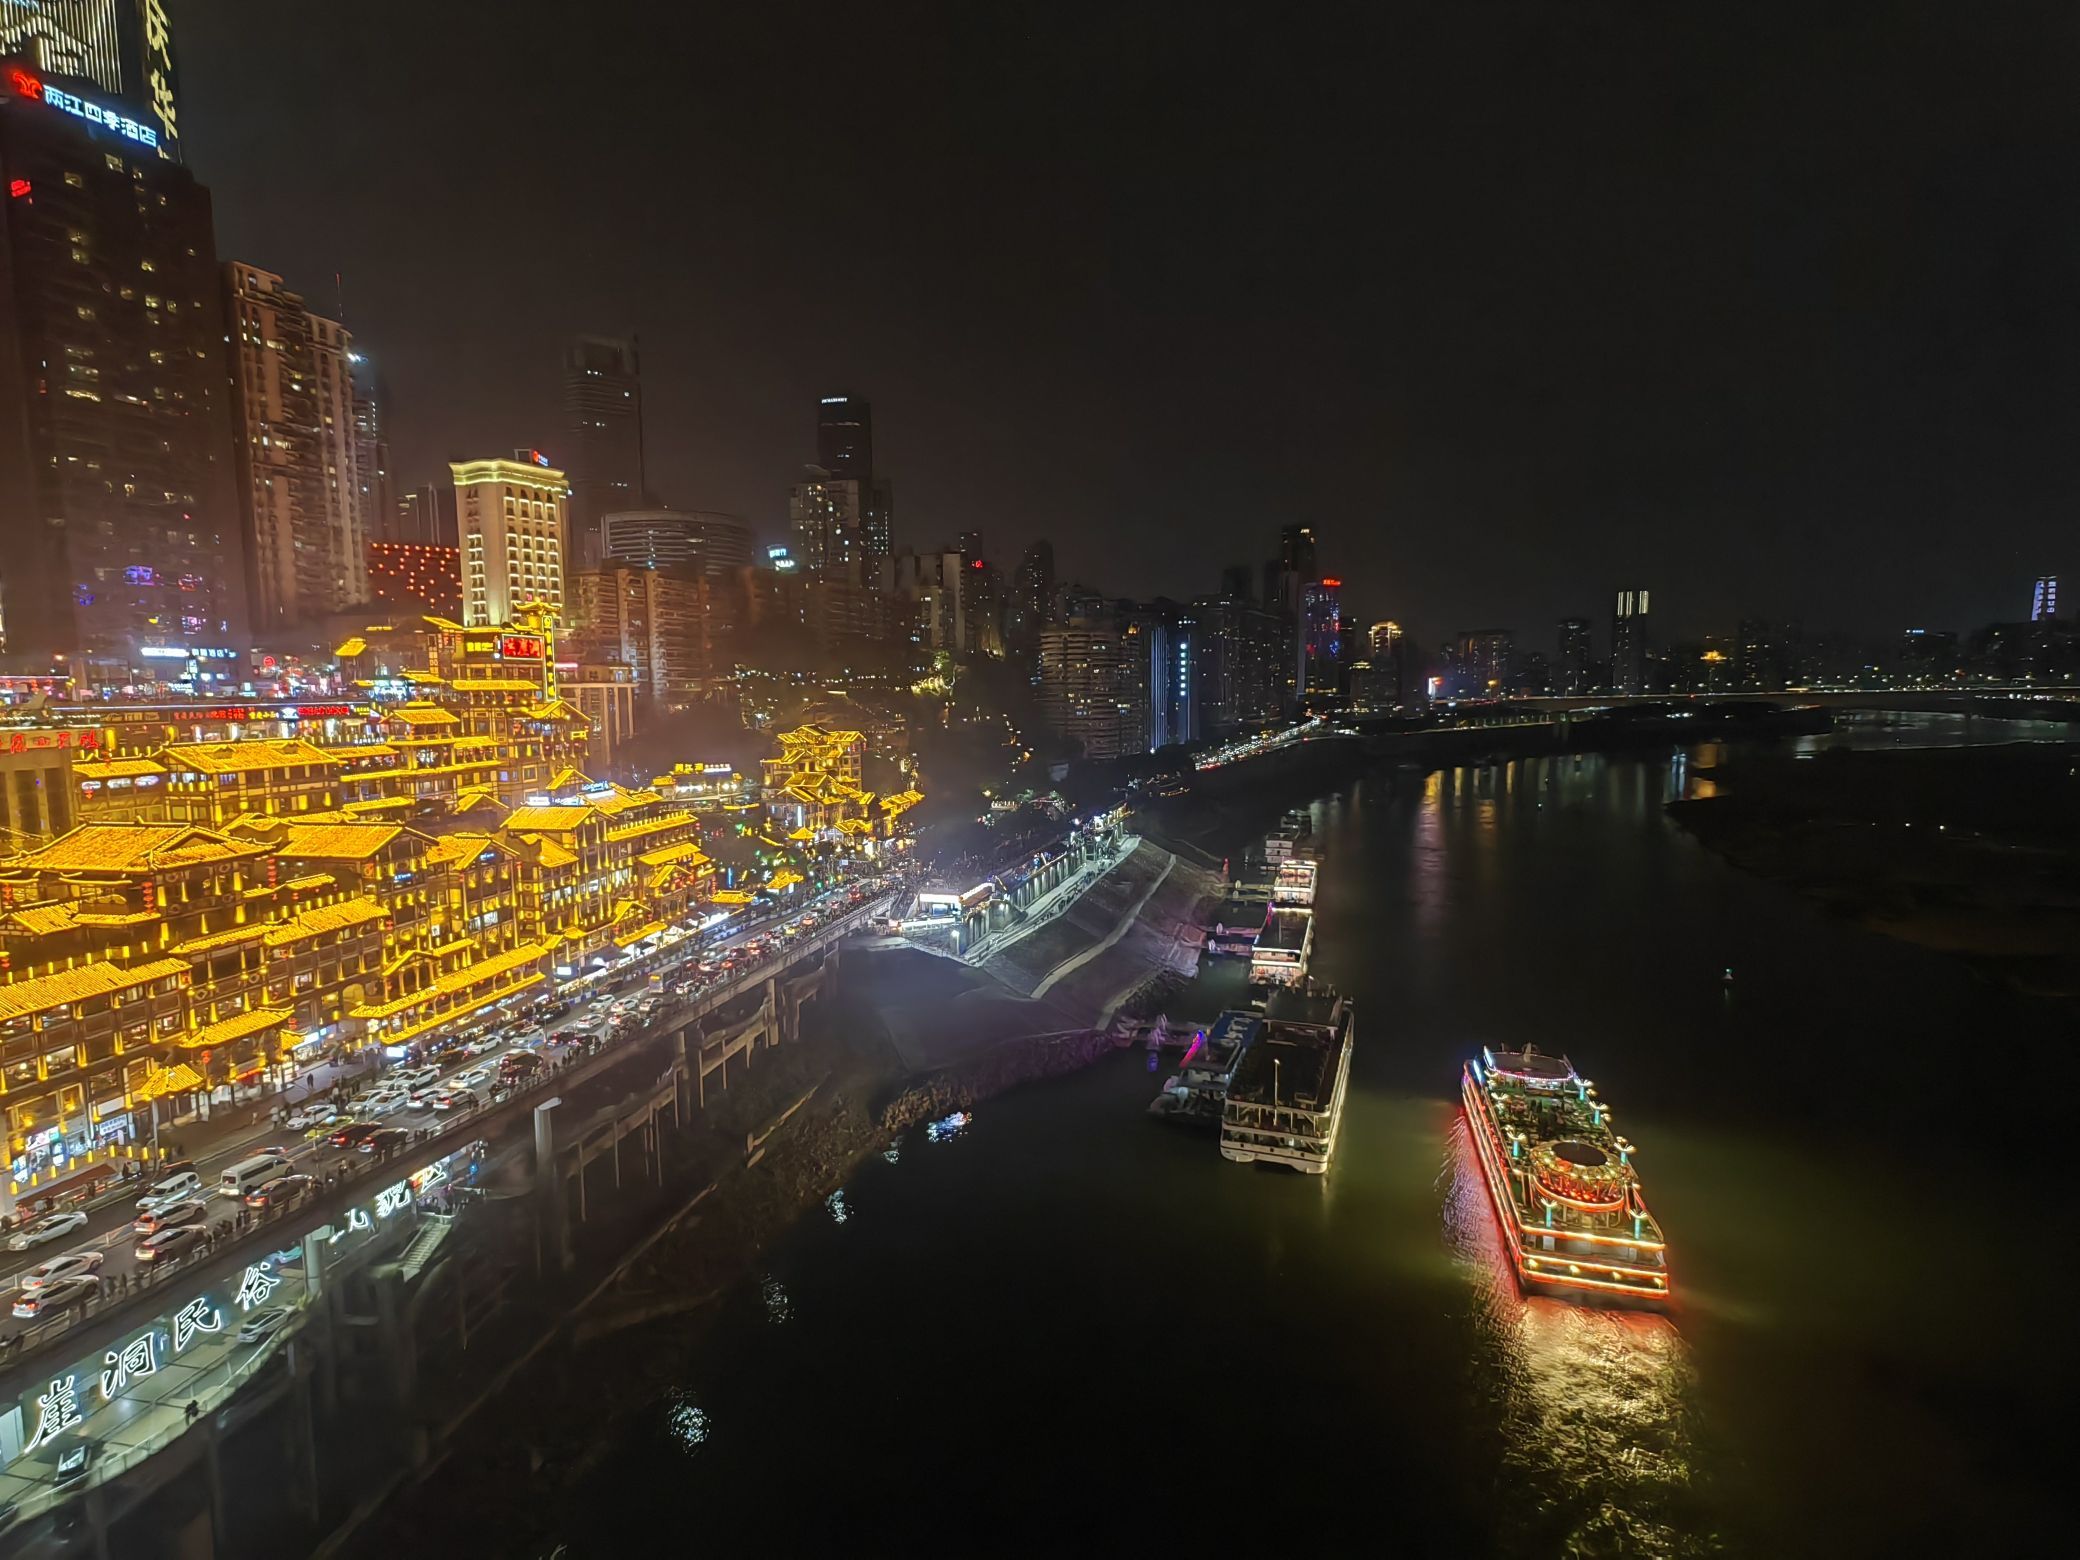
[[111, 1229]]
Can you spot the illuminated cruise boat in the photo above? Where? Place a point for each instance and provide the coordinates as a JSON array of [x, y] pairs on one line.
[[1564, 1183], [1284, 1099]]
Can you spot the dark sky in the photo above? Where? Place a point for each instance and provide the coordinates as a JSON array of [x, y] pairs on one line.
[[1771, 308]]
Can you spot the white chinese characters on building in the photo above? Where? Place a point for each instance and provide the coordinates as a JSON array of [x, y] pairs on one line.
[[56, 1412], [138, 1357], [256, 1286], [197, 1316]]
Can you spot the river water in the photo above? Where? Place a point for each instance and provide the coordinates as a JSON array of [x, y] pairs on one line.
[[1063, 1327]]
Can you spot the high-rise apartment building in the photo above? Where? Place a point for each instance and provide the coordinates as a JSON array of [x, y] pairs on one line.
[[1629, 642], [825, 520], [1573, 666], [117, 496], [514, 518], [704, 541], [932, 585], [981, 598], [603, 420], [2043, 599], [293, 396], [426, 516], [845, 451], [1082, 667], [1483, 657], [656, 621], [377, 503], [1031, 603], [1241, 671]]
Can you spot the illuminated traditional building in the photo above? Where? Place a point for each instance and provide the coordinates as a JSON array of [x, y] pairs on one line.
[[514, 526], [812, 790]]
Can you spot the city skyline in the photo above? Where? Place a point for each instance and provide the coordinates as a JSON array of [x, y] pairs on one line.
[[1779, 463]]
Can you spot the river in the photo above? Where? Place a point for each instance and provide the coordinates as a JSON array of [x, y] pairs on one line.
[[1062, 1327]]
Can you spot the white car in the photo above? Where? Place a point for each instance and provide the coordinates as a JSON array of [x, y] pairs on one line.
[[263, 1324], [70, 1265], [307, 1116], [476, 1077], [52, 1226], [457, 1098]]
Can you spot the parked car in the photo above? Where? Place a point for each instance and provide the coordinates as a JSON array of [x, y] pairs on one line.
[[383, 1139], [74, 1462], [52, 1226], [37, 1305], [281, 1191], [70, 1264], [165, 1217], [171, 1243], [263, 1324]]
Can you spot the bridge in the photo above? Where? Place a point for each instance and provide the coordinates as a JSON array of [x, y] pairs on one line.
[[310, 1307]]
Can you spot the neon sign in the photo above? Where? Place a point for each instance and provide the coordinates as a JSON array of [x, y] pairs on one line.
[[538, 457], [29, 86], [520, 647], [158, 42]]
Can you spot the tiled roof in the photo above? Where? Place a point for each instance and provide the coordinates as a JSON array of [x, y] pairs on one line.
[[347, 755], [337, 841], [325, 918], [422, 715], [43, 920], [351, 647], [552, 819], [230, 758], [494, 685], [671, 855], [117, 769], [238, 1026], [89, 980], [380, 804], [209, 942], [131, 847], [458, 849]]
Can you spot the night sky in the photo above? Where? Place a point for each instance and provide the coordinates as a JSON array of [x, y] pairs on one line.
[[1770, 308]]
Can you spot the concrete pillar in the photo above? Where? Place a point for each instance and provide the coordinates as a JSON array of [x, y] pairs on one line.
[[551, 1218], [682, 1064], [394, 1332]]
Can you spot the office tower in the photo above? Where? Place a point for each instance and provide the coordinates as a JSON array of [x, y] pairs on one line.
[[1320, 637], [1159, 693], [426, 516], [1383, 639], [845, 436], [1759, 655], [603, 420], [415, 577], [117, 497], [2043, 600], [514, 518], [701, 541], [124, 48], [1081, 667], [1573, 664], [845, 457], [1031, 603], [371, 451], [825, 519], [1296, 552], [293, 396], [1629, 642], [1238, 583]]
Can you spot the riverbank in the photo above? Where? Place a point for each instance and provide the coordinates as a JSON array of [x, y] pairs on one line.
[[910, 1038], [1971, 852]]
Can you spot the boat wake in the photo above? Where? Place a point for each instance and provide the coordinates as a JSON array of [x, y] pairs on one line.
[[1592, 1408]]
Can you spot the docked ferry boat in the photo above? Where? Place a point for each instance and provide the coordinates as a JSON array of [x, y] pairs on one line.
[[1564, 1183], [1284, 1099]]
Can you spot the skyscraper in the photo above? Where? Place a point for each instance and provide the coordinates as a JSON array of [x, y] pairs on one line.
[[2043, 600], [845, 452], [121, 516], [699, 541], [826, 522], [1320, 639], [514, 520], [1629, 642], [603, 420], [425, 517], [293, 396], [371, 450], [1241, 662], [1571, 667], [122, 47]]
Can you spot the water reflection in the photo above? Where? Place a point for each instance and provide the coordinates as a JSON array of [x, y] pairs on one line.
[[1595, 1405], [685, 1420]]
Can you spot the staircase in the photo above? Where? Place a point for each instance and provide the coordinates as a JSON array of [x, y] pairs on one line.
[[433, 1229]]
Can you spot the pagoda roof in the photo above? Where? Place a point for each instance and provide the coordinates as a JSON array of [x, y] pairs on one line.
[[231, 758], [131, 848]]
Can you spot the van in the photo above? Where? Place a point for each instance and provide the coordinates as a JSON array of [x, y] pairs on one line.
[[172, 1188], [249, 1173]]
